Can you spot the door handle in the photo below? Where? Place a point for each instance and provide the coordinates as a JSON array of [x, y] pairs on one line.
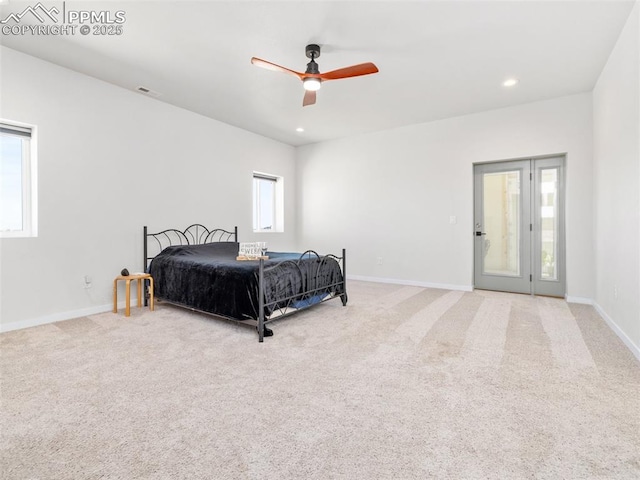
[[478, 234]]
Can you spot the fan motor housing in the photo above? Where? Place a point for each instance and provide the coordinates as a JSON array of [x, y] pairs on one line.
[[312, 51]]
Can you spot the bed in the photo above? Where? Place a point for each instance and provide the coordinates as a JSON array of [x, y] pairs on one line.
[[197, 268]]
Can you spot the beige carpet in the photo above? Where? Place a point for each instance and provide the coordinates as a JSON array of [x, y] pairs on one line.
[[402, 383]]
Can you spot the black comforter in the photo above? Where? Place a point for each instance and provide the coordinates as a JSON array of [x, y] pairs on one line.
[[209, 278]]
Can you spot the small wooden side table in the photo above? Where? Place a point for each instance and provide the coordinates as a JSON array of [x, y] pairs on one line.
[[136, 276]]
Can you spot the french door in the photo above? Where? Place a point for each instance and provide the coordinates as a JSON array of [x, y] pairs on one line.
[[519, 226]]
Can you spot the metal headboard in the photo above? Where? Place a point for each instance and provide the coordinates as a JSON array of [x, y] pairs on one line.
[[195, 234]]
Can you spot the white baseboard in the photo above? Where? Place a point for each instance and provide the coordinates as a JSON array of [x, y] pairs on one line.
[[614, 326], [582, 300], [59, 317], [412, 283]]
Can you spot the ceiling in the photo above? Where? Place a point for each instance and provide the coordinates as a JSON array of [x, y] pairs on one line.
[[437, 59]]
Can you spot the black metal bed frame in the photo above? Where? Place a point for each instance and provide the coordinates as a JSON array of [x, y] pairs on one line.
[[313, 292]]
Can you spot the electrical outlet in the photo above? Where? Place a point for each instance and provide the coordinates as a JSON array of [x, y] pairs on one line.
[[615, 291], [379, 261]]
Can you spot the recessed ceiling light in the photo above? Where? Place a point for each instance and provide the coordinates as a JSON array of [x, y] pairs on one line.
[[510, 82], [300, 129]]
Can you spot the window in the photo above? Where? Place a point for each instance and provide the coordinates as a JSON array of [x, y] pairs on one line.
[[267, 203], [18, 216]]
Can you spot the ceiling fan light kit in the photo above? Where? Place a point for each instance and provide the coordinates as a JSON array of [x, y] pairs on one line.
[[312, 84], [312, 78]]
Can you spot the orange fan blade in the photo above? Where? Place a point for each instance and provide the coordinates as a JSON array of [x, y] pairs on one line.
[[309, 98], [352, 71], [276, 68]]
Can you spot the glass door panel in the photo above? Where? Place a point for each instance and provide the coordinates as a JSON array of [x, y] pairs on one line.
[[548, 228], [502, 249], [548, 223], [501, 220]]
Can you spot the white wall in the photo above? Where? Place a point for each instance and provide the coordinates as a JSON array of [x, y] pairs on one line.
[[110, 161], [616, 107], [381, 193]]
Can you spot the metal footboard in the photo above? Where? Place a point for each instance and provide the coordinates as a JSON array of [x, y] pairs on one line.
[[314, 291]]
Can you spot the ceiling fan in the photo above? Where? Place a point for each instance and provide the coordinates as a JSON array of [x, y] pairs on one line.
[[312, 78]]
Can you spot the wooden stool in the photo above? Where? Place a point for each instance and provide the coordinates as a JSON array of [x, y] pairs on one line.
[[136, 276]]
